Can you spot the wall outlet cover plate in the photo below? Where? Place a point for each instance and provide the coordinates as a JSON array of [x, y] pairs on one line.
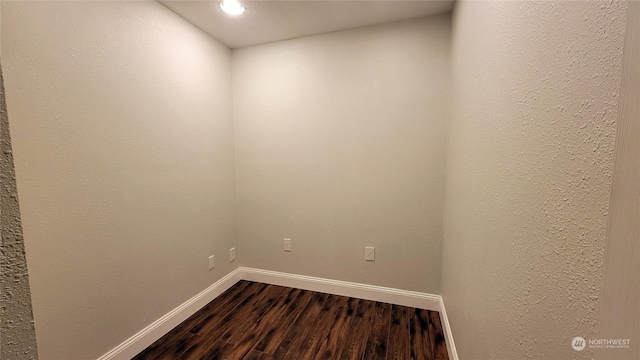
[[370, 253]]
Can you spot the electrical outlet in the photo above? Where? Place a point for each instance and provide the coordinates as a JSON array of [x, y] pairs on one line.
[[370, 253], [287, 244], [232, 254], [212, 264]]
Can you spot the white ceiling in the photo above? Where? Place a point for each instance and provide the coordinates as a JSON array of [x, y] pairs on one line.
[[267, 21]]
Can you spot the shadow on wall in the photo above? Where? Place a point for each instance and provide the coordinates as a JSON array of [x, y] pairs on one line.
[[17, 333]]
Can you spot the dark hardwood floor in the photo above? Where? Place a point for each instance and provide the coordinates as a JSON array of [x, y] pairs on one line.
[[266, 322]]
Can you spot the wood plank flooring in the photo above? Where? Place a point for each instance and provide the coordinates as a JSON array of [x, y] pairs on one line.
[[254, 321]]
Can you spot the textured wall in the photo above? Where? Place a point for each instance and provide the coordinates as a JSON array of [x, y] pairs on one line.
[[340, 144], [122, 128], [619, 309], [17, 334], [534, 94]]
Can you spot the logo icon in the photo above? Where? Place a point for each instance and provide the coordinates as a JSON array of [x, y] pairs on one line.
[[578, 343]]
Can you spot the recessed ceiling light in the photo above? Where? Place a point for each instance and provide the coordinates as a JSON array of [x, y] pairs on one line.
[[232, 7]]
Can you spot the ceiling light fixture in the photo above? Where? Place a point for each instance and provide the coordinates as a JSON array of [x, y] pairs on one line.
[[232, 7]]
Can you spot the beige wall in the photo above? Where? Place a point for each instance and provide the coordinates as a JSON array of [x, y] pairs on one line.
[[534, 97], [122, 128], [619, 309], [340, 145]]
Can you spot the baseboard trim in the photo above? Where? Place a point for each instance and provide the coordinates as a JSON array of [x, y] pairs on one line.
[[147, 336], [344, 288], [160, 327], [448, 335]]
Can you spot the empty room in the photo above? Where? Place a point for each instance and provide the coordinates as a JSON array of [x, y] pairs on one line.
[[293, 180]]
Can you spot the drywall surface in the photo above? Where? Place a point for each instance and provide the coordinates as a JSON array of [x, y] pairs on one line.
[[122, 127], [534, 100], [340, 144], [17, 334], [619, 309]]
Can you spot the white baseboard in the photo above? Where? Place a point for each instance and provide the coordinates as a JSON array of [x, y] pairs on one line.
[[160, 327], [448, 335], [344, 288], [147, 336]]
